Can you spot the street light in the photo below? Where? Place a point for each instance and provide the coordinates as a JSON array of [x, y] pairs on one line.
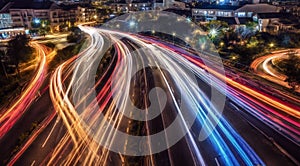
[[37, 21], [222, 44], [213, 32], [132, 23], [173, 34], [188, 19]]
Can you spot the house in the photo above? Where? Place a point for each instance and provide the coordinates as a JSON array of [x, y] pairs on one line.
[[273, 22]]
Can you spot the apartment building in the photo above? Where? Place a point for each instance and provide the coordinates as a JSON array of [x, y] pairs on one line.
[[28, 14], [25, 14], [86, 13], [62, 15]]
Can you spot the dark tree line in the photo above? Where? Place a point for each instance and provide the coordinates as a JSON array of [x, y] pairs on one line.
[[18, 50], [291, 68]]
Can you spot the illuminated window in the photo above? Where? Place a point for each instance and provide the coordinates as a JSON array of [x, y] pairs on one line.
[[241, 14]]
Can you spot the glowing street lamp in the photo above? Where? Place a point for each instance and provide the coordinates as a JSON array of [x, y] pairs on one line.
[[222, 44], [132, 23], [271, 45], [213, 32], [188, 20], [37, 21], [173, 35]]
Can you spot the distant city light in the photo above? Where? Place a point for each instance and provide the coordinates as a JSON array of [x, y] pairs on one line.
[[220, 1], [37, 21], [222, 44], [4, 35], [213, 32], [188, 20], [132, 23], [234, 57]]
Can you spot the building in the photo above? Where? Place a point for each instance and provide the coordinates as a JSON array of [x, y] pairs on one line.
[[212, 12], [227, 2], [62, 16], [125, 6], [86, 13], [273, 22], [293, 9], [232, 14], [5, 17], [71, 2], [27, 13], [31, 14]]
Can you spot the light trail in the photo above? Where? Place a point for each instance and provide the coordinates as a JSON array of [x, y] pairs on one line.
[[92, 114], [11, 115], [263, 67], [278, 107], [81, 124]]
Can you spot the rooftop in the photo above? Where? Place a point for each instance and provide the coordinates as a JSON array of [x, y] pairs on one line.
[[63, 6], [31, 4], [273, 15], [181, 12], [259, 8], [229, 20]]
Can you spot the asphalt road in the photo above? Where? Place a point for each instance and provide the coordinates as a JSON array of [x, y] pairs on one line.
[[63, 138]]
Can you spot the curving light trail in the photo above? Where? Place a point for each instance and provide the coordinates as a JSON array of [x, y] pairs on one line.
[[276, 113], [89, 116], [263, 67], [12, 114]]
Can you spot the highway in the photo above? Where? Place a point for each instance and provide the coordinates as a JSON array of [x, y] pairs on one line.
[[154, 104]]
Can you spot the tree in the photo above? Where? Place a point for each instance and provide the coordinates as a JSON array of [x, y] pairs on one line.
[[2, 61], [291, 68], [18, 50], [41, 26], [75, 35], [216, 30]]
